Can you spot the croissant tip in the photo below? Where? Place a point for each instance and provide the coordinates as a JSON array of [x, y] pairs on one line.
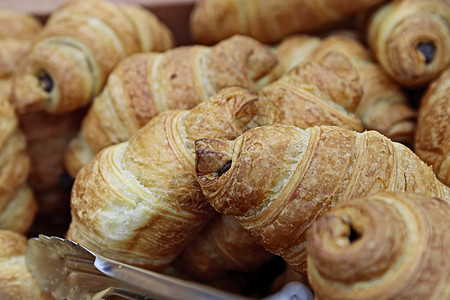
[[212, 156], [31, 91]]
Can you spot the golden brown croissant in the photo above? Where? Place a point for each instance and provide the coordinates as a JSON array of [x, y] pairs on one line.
[[18, 25], [15, 33], [11, 52], [138, 201], [384, 246], [269, 20], [411, 39], [79, 46], [383, 107], [17, 204], [144, 85], [16, 283], [278, 179], [432, 140], [222, 246], [313, 94], [47, 138]]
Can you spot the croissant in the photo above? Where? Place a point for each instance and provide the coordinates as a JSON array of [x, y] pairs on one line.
[[383, 246], [11, 52], [144, 85], [222, 246], [268, 21], [47, 138], [278, 179], [138, 201], [313, 94], [383, 106], [15, 33], [16, 282], [79, 46], [411, 39], [18, 25], [432, 140], [17, 204]]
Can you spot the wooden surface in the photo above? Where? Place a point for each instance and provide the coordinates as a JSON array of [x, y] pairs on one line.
[[174, 13]]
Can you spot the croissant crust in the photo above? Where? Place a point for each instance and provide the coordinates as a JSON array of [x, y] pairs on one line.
[[384, 246], [432, 142], [281, 178], [138, 201]]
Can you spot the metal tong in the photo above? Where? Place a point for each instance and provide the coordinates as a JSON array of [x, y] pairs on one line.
[[69, 271]]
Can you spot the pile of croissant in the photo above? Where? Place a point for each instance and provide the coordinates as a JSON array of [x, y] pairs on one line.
[[313, 134]]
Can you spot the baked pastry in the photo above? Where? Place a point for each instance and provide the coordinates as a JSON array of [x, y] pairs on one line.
[[17, 204], [383, 107], [222, 246], [16, 283], [432, 140], [79, 46], [411, 39], [144, 85], [268, 21], [11, 52], [383, 246], [138, 201], [18, 25], [47, 138], [276, 180], [15, 34], [325, 93]]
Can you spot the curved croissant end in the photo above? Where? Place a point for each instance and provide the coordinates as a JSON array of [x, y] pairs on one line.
[[411, 39], [384, 246], [213, 156], [72, 56]]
